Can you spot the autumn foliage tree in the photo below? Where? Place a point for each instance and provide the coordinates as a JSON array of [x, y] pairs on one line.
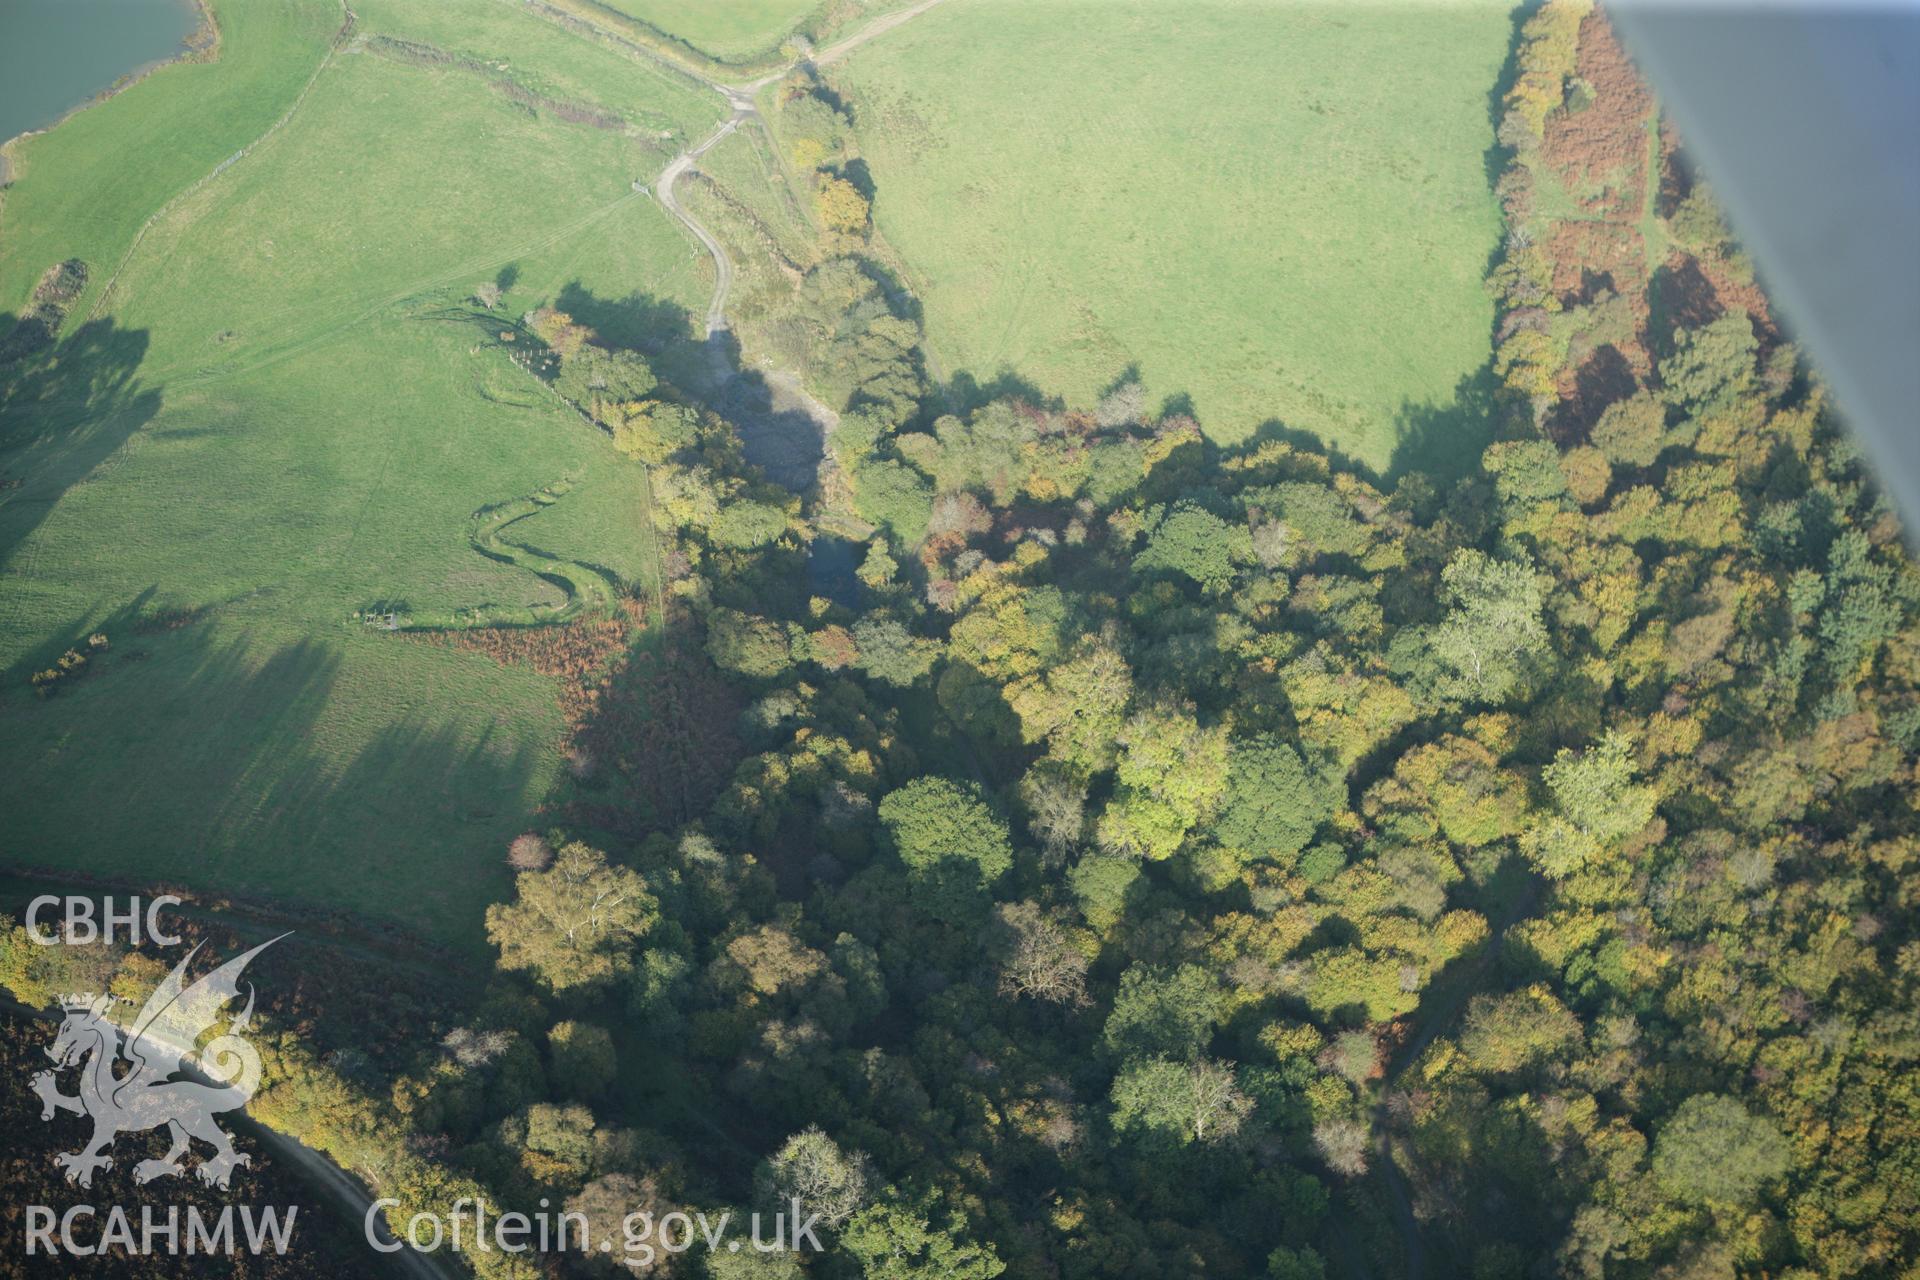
[[573, 925]]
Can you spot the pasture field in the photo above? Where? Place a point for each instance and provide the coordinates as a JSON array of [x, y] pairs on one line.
[[1279, 211], [267, 747], [82, 190], [313, 232], [543, 56], [287, 412]]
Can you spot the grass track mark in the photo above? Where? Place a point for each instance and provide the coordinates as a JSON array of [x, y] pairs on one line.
[[587, 589]]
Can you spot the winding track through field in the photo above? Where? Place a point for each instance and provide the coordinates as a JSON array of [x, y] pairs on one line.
[[663, 186], [756, 406], [741, 98]]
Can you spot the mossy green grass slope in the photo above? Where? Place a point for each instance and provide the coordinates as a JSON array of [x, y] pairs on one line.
[[393, 181], [1280, 211]]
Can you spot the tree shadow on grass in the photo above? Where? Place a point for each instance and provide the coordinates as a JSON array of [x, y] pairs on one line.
[[901, 299], [661, 742], [216, 763], [1445, 441], [777, 428], [964, 392], [1442, 441], [122, 624], [1497, 156], [635, 322], [1274, 430], [63, 412]]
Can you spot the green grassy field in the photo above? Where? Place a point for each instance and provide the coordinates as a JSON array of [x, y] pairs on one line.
[[1280, 211], [281, 418], [547, 58], [83, 189]]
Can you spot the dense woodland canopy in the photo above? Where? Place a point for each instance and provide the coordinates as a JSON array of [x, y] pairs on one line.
[[1175, 859]]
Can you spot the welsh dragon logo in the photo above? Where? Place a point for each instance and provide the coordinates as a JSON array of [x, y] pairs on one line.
[[159, 1044]]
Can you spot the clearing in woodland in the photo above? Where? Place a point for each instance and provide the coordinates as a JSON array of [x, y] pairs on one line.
[[1281, 212]]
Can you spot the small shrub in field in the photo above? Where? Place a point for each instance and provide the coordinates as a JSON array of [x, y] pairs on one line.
[[579, 762], [529, 852]]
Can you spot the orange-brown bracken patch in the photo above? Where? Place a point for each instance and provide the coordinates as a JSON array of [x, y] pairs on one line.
[[1605, 144], [581, 655], [1589, 257]]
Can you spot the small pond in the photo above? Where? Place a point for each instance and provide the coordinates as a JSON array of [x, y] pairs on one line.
[[56, 54]]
